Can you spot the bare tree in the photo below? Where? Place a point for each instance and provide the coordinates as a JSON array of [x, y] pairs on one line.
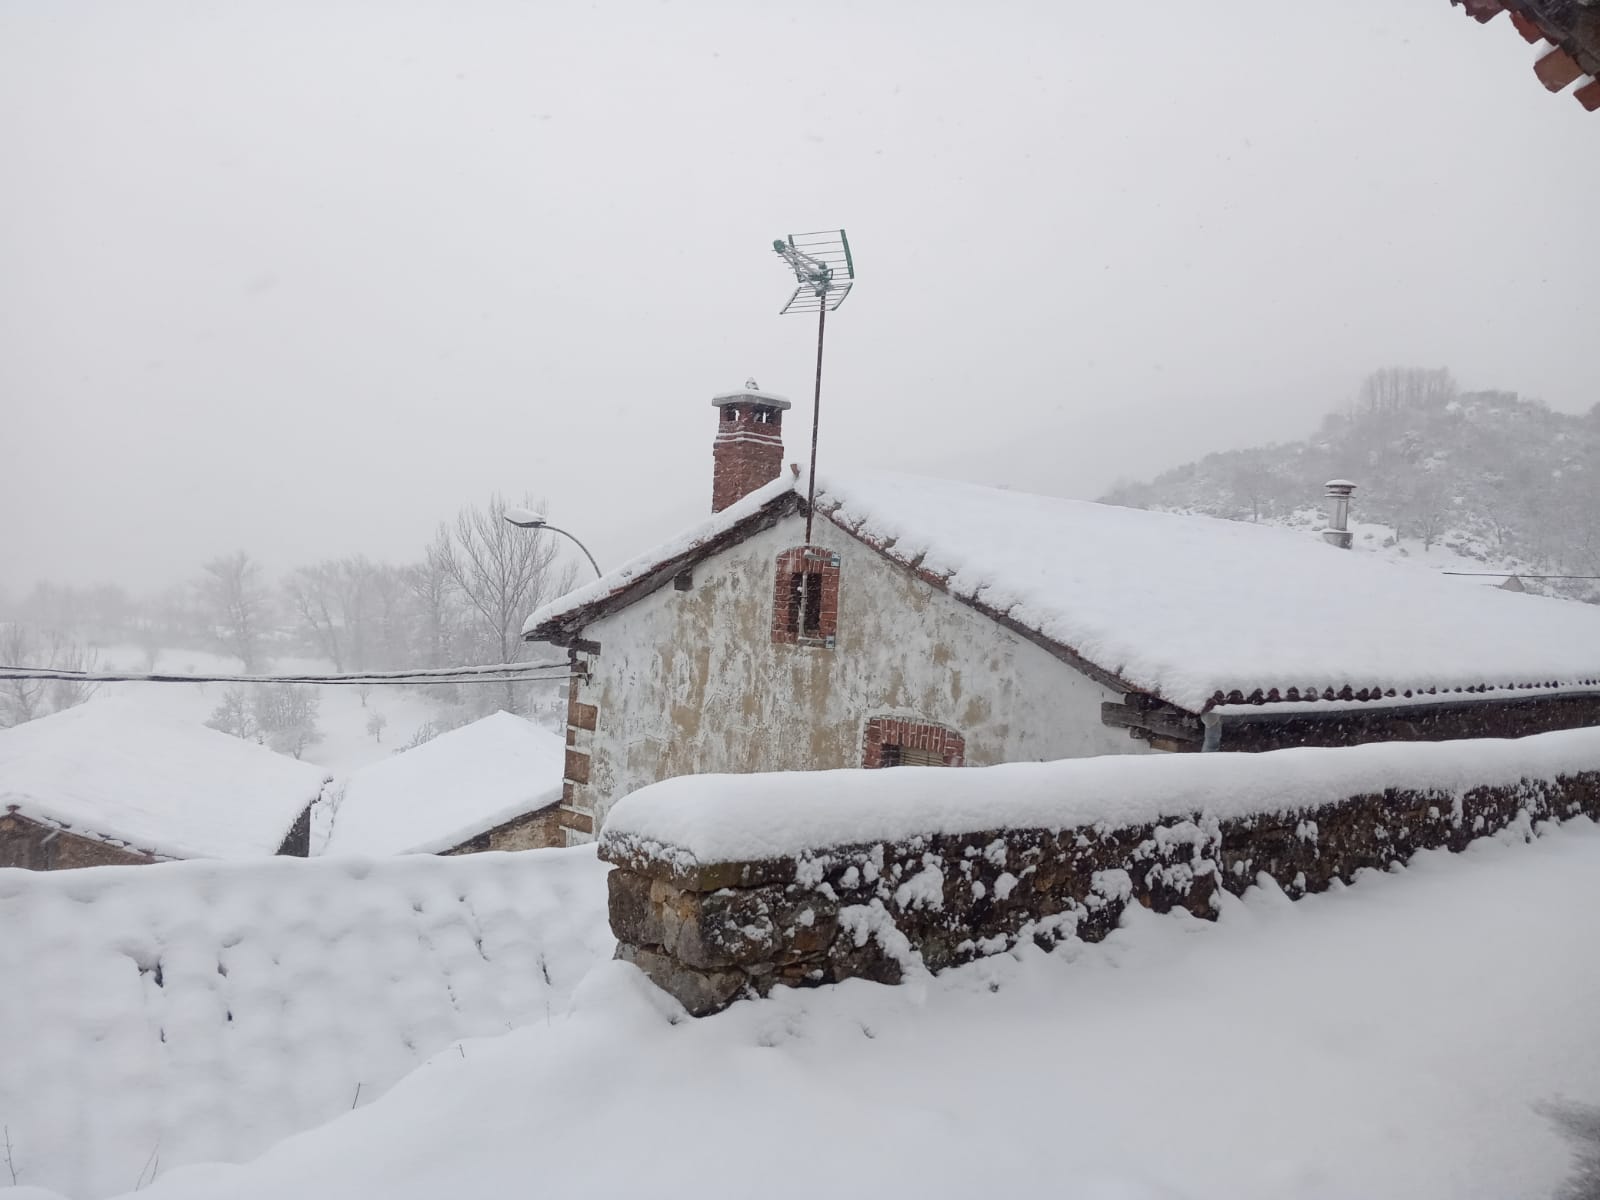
[[235, 601], [1424, 507], [503, 572], [433, 593], [1393, 391], [25, 699], [313, 594]]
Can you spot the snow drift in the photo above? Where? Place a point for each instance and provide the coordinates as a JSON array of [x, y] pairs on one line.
[[202, 1011]]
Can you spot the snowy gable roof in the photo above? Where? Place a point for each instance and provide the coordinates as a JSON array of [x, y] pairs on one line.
[[1202, 611], [110, 771], [642, 575], [1195, 610], [449, 790]]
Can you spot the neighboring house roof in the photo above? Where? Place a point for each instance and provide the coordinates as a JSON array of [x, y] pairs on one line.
[[1195, 611], [449, 790], [1570, 28], [110, 771]]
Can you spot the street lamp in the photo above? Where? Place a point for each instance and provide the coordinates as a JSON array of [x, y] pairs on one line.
[[526, 518]]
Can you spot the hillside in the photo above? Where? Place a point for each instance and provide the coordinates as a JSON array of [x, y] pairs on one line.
[[1485, 479]]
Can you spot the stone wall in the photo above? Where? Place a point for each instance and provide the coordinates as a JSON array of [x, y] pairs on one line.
[[531, 831], [710, 932], [37, 847]]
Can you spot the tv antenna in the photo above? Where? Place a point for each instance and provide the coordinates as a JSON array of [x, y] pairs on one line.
[[822, 264]]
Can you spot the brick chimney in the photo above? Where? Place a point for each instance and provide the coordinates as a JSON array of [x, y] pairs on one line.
[[1338, 531], [748, 450]]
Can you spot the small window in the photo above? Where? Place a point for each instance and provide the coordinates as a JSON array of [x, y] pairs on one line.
[[805, 608], [910, 756], [729, 414], [895, 742]]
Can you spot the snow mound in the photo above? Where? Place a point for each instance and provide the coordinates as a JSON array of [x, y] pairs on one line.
[[741, 818], [111, 771], [445, 791], [202, 1011]]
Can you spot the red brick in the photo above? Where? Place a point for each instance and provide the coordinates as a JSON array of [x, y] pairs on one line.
[[1529, 31], [1557, 69], [577, 767], [578, 822], [1589, 95]]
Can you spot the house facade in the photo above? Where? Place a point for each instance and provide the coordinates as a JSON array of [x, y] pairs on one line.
[[711, 675], [925, 622]]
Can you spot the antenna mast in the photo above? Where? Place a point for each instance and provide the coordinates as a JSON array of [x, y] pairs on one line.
[[826, 272]]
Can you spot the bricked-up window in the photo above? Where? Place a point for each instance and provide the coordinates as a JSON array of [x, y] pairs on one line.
[[805, 599], [895, 742]]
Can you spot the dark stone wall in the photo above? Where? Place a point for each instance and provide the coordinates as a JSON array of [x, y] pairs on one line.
[[710, 933], [1437, 722], [297, 842], [531, 831], [35, 847]]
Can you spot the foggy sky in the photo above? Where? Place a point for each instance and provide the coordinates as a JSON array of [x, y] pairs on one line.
[[303, 278]]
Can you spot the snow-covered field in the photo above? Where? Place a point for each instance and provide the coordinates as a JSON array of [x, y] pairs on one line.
[[345, 744], [1399, 1038]]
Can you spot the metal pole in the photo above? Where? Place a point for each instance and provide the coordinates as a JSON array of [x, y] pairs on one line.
[[816, 416], [597, 572]]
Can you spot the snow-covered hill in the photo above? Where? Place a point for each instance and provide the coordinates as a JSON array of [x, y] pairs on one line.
[[1484, 481]]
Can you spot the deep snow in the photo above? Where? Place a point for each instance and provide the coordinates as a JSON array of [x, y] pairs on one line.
[[1394, 1039], [202, 1011]]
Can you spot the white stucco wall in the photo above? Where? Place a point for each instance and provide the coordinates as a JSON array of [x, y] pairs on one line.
[[690, 682]]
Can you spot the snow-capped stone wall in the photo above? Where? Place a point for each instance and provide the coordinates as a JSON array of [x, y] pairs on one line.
[[727, 886]]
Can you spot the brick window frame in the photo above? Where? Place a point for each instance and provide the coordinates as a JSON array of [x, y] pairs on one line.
[[805, 597], [885, 734]]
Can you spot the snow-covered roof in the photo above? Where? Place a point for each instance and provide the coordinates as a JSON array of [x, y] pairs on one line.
[[1195, 610], [111, 771], [639, 575], [450, 789]]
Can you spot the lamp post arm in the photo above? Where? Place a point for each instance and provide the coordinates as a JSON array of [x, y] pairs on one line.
[[597, 572]]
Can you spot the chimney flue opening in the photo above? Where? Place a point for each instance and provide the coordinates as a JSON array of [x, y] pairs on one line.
[[747, 452]]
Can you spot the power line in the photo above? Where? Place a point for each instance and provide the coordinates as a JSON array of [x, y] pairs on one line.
[[491, 673]]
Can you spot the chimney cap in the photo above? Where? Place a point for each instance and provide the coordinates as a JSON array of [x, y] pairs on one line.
[[752, 394], [1343, 486]]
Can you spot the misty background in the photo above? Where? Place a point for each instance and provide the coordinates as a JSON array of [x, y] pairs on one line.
[[306, 279]]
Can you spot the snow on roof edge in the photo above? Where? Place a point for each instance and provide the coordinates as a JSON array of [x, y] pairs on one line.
[[685, 542]]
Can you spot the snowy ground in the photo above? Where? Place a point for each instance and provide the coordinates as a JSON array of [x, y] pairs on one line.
[[1394, 1039], [203, 1011]]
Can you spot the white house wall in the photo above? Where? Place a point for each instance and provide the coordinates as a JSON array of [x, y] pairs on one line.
[[690, 681]]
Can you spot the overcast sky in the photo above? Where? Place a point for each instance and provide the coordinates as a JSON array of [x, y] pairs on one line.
[[303, 278]]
